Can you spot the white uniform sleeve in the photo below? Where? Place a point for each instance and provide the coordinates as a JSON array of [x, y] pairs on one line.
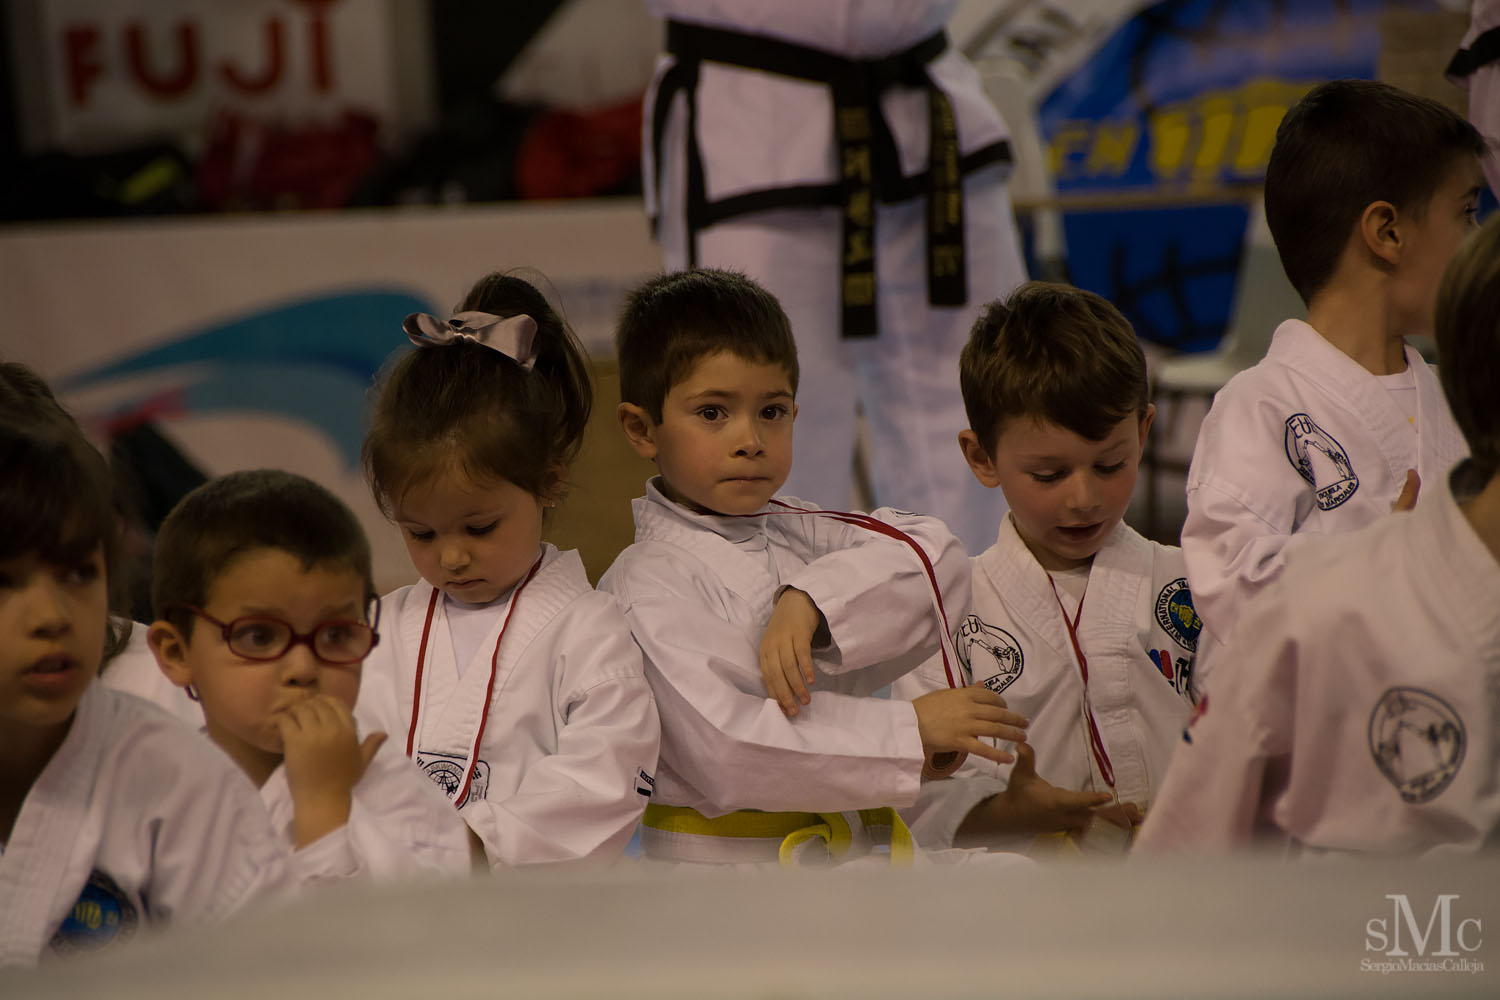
[[732, 743], [400, 826], [876, 594], [1231, 553], [581, 802], [942, 805], [1236, 745]]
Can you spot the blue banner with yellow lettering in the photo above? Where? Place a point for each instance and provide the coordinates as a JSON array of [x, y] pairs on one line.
[[1178, 112]]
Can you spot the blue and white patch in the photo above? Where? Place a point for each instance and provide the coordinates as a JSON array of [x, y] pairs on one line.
[[1175, 614], [1320, 460], [1418, 742], [447, 771], [991, 655], [102, 915]]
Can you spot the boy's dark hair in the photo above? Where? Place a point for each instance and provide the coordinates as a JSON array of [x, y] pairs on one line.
[[1053, 353], [1468, 341], [674, 320], [469, 408], [1346, 144], [57, 497], [245, 512]]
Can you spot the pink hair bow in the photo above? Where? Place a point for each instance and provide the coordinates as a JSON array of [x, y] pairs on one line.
[[513, 336]]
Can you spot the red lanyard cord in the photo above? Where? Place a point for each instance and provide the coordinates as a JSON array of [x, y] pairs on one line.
[[890, 531], [489, 690], [1096, 742]]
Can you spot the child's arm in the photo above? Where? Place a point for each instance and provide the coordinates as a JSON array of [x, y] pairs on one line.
[[324, 760], [583, 801], [1221, 772], [726, 738], [786, 664], [1030, 805], [875, 594], [982, 806]]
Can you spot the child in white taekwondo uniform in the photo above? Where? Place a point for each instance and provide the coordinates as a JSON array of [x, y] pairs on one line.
[[512, 683], [890, 201], [112, 817], [1084, 627], [261, 588], [1361, 712], [1369, 191], [734, 593]]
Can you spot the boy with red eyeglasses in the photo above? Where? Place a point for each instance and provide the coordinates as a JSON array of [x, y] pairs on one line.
[[261, 588]]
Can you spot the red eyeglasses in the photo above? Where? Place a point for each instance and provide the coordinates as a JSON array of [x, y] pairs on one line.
[[262, 637]]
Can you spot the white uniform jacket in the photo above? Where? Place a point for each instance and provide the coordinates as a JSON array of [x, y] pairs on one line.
[[1138, 632], [1361, 714], [570, 732], [698, 591], [1306, 442], [134, 670], [400, 825], [133, 821]]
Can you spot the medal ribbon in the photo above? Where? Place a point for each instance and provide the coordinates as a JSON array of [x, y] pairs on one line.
[[419, 691]]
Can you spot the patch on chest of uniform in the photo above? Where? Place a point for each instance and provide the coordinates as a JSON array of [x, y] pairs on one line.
[[102, 915], [1418, 742], [990, 654], [1175, 614], [1320, 460], [447, 772], [1178, 672]]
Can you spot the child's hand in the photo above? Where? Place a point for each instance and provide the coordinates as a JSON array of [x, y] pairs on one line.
[[955, 719], [1408, 498], [1030, 804], [786, 649], [324, 761]]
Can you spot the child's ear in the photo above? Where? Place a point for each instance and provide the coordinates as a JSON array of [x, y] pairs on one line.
[[169, 646], [555, 485], [980, 461], [639, 428], [1380, 230], [1146, 420]]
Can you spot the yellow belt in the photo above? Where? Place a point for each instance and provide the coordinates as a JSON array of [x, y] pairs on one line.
[[791, 828]]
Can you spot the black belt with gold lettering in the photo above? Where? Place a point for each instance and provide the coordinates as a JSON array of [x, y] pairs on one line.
[[869, 167], [1481, 52]]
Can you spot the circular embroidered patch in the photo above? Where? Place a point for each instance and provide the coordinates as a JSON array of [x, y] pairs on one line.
[[102, 914], [1175, 614], [991, 655], [1320, 460], [1418, 742]]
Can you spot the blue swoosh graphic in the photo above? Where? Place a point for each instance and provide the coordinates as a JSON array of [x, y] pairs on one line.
[[312, 360]]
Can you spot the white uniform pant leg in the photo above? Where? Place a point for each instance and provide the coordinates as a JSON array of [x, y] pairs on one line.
[[906, 379], [1484, 112], [909, 374], [794, 253]]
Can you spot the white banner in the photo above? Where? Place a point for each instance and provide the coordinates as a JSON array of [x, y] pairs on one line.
[[116, 72], [252, 341]]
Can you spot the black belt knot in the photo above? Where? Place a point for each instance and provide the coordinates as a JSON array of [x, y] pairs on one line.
[[869, 166]]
